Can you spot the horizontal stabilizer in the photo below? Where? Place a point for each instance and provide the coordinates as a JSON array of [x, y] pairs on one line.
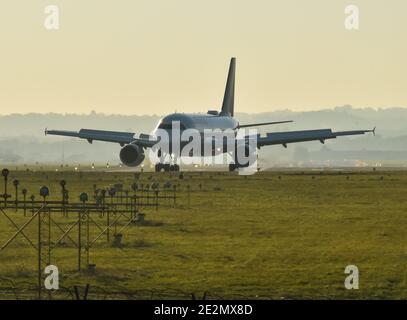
[[262, 124]]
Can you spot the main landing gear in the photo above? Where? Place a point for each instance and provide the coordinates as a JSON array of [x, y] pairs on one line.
[[235, 166]]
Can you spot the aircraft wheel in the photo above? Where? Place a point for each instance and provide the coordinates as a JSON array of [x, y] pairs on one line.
[[232, 167], [176, 167], [167, 167], [244, 165], [158, 167], [241, 165]]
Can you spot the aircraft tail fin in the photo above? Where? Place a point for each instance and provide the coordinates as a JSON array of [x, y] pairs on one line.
[[228, 105]]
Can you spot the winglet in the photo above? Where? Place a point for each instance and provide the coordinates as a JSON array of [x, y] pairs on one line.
[[46, 131], [373, 131]]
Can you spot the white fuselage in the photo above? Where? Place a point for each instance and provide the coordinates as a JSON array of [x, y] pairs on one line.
[[199, 122], [202, 123]]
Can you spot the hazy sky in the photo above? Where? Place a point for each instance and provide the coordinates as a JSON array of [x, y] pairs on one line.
[[157, 56]]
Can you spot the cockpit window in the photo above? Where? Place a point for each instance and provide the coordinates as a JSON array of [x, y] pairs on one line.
[[164, 126], [168, 126]]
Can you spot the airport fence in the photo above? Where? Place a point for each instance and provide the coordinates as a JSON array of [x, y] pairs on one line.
[[27, 291]]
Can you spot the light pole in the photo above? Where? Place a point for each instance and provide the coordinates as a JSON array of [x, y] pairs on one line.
[[5, 172], [16, 183]]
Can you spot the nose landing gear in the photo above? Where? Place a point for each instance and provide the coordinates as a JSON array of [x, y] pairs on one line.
[[167, 162], [166, 167]]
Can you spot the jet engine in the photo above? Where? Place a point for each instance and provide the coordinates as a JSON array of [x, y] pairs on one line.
[[132, 155]]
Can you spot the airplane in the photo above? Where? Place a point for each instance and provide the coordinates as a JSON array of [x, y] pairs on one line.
[[133, 149]]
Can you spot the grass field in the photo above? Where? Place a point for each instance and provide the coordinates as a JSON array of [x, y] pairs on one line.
[[273, 235]]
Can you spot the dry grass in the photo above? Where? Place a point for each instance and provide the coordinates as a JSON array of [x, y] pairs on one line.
[[256, 237]]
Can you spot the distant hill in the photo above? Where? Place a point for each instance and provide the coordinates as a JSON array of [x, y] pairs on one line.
[[22, 137]]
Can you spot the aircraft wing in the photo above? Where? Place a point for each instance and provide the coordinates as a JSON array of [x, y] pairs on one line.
[[109, 136], [284, 138]]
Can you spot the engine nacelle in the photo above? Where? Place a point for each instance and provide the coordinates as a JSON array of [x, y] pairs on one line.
[[132, 155]]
